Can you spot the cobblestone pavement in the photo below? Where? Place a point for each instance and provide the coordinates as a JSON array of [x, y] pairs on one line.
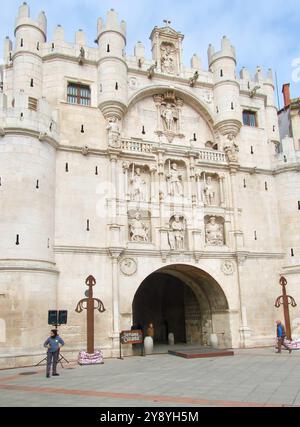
[[256, 377]]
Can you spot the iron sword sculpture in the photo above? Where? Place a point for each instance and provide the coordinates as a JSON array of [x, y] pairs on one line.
[[89, 305], [286, 301]]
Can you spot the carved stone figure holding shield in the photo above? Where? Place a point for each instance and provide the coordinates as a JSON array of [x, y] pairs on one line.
[[174, 181]]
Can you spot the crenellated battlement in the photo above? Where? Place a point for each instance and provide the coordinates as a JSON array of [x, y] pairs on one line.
[[227, 51], [24, 20], [112, 24]]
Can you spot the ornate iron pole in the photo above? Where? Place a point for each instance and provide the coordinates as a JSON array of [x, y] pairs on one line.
[[286, 300], [88, 304]]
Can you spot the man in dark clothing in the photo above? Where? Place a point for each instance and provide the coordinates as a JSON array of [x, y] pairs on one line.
[[281, 337], [53, 344]]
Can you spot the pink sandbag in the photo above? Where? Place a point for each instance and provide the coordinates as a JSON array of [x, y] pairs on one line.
[[90, 359], [293, 345]]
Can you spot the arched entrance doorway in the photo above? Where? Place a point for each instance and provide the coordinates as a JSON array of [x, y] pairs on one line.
[[186, 301]]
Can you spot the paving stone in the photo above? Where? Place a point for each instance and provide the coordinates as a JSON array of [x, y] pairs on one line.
[[252, 376]]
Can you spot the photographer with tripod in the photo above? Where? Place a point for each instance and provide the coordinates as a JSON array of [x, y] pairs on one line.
[[53, 344]]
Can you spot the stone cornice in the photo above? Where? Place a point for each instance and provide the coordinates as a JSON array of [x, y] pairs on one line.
[[115, 58], [291, 269], [155, 253], [74, 59], [28, 52], [288, 168], [75, 149], [33, 133], [169, 77], [29, 269], [28, 265], [182, 151]]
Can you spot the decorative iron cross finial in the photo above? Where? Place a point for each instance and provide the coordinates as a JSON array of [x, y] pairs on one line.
[[89, 305], [167, 22], [286, 300]]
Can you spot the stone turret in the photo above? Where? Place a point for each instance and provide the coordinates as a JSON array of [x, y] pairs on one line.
[[112, 67], [27, 61], [226, 88], [27, 163], [271, 109]]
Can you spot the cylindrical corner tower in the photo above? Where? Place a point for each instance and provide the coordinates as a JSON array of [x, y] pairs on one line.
[[112, 67], [271, 109], [27, 61], [226, 88], [28, 276]]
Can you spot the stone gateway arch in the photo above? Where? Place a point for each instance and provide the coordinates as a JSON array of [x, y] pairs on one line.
[[186, 301]]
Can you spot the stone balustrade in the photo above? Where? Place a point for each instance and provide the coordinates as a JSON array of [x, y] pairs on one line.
[[137, 146], [148, 147], [212, 156]]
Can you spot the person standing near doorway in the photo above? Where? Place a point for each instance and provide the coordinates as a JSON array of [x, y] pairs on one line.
[[281, 335], [53, 344]]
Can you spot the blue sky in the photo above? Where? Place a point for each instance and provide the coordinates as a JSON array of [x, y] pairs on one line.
[[264, 32]]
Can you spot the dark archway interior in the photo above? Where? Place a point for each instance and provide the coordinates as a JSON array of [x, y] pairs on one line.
[[164, 300], [184, 300]]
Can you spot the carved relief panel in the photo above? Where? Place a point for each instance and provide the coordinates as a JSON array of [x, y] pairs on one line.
[[167, 49], [168, 58], [139, 226], [214, 231]]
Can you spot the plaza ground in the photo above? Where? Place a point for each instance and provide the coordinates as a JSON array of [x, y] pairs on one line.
[[256, 377]]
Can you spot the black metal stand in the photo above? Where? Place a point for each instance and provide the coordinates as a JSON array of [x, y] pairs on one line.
[[41, 361], [60, 358]]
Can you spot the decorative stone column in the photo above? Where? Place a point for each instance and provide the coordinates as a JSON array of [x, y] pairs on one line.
[[222, 191], [157, 53], [115, 253], [153, 170], [114, 184], [158, 99], [245, 331], [161, 172], [125, 171], [179, 105], [198, 187], [237, 233]]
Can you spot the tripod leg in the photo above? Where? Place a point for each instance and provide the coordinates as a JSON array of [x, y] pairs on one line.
[[62, 357], [38, 364], [59, 361]]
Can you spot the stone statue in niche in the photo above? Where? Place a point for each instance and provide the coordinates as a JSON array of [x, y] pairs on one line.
[[114, 135], [177, 233], [168, 58], [170, 116], [208, 192], [174, 181], [214, 233], [138, 230], [138, 186]]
